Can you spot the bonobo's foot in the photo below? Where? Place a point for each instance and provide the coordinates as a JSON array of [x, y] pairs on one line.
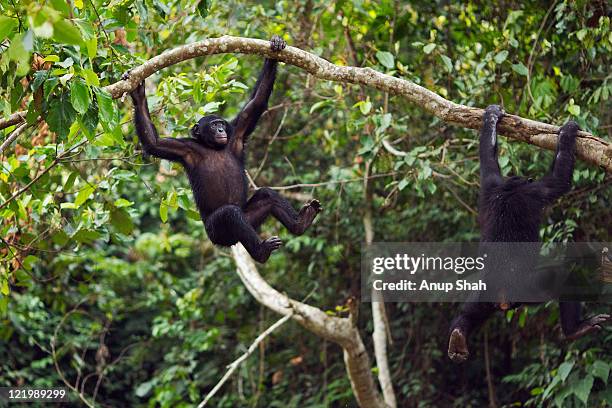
[[306, 216], [266, 248], [494, 111], [277, 43], [588, 326], [457, 347], [126, 75], [315, 204]]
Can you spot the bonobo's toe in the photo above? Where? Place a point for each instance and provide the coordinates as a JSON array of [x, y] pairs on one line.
[[273, 243], [277, 43], [316, 205], [457, 347], [599, 319], [494, 110]]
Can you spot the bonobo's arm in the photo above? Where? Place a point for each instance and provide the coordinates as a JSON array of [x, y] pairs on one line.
[[559, 180], [164, 148], [490, 173], [245, 122]]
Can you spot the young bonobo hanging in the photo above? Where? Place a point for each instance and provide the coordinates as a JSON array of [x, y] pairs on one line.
[[510, 211], [214, 161]]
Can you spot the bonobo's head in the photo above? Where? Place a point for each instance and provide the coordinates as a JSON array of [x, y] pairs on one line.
[[212, 131], [514, 182]]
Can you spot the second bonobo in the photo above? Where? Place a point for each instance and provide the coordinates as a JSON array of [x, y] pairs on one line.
[[213, 158], [510, 210]]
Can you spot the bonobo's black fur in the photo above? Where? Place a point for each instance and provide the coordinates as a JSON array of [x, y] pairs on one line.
[[214, 161], [510, 210]]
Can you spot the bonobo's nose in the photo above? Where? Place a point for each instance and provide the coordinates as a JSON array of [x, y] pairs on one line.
[[220, 130]]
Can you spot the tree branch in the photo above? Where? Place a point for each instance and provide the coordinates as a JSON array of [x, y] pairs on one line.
[[589, 148], [14, 119], [339, 330]]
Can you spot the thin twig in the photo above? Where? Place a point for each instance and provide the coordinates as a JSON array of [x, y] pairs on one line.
[[13, 136], [263, 161], [233, 366]]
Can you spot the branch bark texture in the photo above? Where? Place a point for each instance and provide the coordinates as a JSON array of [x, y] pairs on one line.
[[589, 148], [339, 330]]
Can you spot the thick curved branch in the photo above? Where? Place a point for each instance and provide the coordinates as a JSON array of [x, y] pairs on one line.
[[589, 148], [341, 331]]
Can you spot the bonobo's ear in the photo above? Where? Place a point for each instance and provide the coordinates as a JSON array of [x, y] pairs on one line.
[[195, 131]]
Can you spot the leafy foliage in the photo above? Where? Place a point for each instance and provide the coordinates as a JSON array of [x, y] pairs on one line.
[[104, 257]]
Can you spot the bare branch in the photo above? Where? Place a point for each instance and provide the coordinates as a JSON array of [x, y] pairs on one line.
[[7, 142], [589, 148]]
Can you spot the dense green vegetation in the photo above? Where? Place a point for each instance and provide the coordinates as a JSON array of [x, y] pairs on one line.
[[108, 281]]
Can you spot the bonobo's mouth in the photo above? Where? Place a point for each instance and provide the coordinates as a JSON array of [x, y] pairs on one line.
[[221, 139]]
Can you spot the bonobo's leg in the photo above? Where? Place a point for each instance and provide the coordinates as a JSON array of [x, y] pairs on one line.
[[472, 316], [228, 225], [266, 201], [559, 180], [489, 166], [572, 324]]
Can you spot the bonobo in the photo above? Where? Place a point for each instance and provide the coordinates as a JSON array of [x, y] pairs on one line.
[[510, 211], [213, 158]]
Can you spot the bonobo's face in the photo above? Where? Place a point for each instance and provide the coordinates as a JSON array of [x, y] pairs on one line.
[[212, 131]]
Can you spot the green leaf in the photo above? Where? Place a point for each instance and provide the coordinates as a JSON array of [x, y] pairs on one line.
[[565, 369], [365, 107], [573, 109], [86, 236], [122, 202], [582, 389], [203, 8], [7, 25], [500, 57], [163, 211], [70, 181], [520, 69], [4, 287], [79, 95], [83, 195], [61, 6], [106, 109], [386, 59], [429, 48], [61, 115], [89, 121], [92, 47], [122, 221], [600, 370], [66, 33], [317, 105], [90, 77], [447, 63], [581, 34]]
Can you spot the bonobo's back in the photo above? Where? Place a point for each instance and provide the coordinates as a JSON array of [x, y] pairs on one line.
[[510, 212]]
